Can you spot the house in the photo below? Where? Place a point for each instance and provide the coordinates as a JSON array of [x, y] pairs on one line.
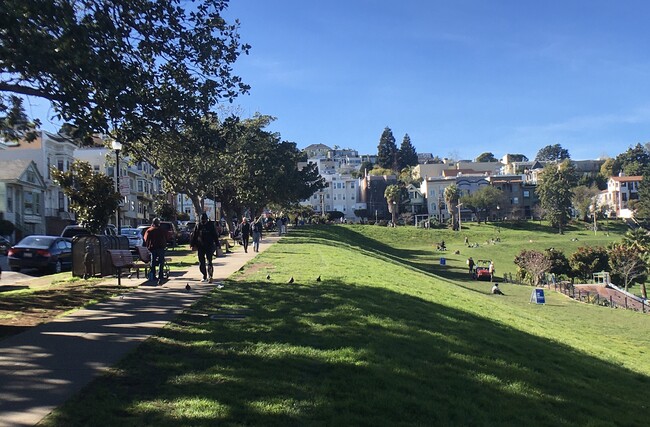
[[341, 194], [22, 192], [47, 151], [519, 197], [620, 191], [433, 190]]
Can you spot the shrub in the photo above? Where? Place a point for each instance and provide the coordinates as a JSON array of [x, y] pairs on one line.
[[587, 260]]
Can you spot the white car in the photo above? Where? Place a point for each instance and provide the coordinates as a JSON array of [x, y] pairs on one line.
[[134, 236]]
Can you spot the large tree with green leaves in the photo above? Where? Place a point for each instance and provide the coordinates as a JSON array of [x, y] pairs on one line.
[[627, 265], [387, 154], [129, 69], [483, 201], [584, 200], [486, 157], [553, 152], [554, 188], [634, 161], [93, 198], [407, 155]]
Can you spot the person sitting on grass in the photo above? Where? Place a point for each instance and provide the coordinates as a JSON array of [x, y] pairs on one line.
[[496, 290]]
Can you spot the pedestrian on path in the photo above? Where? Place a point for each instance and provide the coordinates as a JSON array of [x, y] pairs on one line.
[[257, 233], [245, 228], [203, 239], [155, 239]]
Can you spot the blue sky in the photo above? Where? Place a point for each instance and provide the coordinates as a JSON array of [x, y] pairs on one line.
[[461, 77]]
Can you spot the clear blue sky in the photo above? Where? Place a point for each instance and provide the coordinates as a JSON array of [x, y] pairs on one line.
[[461, 77]]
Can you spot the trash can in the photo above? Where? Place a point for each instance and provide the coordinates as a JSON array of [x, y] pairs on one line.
[[90, 254], [443, 261]]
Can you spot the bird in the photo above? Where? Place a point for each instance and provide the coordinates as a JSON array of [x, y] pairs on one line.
[[291, 280], [268, 277], [318, 279], [188, 287]]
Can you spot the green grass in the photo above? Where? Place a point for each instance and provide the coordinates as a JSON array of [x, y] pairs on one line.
[[388, 337]]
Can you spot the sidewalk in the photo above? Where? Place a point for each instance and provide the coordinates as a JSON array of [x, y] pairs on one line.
[[43, 367]]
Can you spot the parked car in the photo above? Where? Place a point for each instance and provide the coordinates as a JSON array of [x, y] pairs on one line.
[[482, 270], [51, 253], [4, 245], [74, 230], [134, 235]]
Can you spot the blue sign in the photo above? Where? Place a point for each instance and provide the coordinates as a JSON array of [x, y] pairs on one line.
[[538, 296]]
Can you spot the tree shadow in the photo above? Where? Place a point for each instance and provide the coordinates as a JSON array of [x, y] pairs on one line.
[[342, 354]]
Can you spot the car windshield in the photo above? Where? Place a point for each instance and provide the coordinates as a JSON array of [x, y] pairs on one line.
[[37, 241], [130, 232]]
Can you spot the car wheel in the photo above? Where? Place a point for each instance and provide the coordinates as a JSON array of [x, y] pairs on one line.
[[57, 267]]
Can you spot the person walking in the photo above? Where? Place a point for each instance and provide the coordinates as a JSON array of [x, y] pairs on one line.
[[470, 264], [155, 239], [257, 233], [245, 228], [203, 240]]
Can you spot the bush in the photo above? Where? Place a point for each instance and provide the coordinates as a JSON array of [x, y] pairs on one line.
[[587, 260]]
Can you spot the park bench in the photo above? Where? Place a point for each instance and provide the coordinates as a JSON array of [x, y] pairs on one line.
[[120, 258], [144, 262]]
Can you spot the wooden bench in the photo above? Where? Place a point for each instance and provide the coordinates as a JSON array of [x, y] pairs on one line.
[[120, 258]]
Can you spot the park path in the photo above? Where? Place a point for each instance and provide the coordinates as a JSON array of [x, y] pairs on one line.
[[43, 367]]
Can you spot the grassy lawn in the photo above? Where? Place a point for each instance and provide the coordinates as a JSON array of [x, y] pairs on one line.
[[388, 337]]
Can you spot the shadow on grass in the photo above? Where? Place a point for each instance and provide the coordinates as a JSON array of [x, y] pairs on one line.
[[337, 354]]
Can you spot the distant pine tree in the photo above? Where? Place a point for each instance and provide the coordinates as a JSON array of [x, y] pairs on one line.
[[387, 150], [407, 154]]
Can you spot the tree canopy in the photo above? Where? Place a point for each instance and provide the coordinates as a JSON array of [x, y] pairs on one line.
[[130, 69], [555, 194], [486, 157], [552, 153], [407, 154], [92, 196], [387, 150]]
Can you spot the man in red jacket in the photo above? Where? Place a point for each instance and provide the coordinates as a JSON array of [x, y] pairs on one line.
[[155, 239]]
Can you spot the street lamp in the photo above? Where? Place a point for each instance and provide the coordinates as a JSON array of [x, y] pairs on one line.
[[117, 146], [459, 219]]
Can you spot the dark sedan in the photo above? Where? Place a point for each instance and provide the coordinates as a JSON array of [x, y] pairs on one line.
[[51, 253]]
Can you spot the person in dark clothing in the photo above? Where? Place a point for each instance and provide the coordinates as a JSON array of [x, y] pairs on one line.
[[155, 239], [257, 233], [245, 229], [203, 239]]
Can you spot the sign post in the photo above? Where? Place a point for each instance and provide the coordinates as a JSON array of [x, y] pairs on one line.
[[538, 296]]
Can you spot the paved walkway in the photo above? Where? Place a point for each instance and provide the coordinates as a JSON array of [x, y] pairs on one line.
[[43, 367]]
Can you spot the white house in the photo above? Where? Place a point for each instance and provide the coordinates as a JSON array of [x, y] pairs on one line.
[[620, 190], [22, 190]]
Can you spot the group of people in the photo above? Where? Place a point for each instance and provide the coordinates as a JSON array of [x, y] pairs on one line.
[[204, 239]]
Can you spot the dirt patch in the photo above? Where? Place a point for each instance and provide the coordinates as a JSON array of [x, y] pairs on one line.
[[252, 269], [23, 310]]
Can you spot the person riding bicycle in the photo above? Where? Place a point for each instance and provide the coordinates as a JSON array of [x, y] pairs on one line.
[[155, 239]]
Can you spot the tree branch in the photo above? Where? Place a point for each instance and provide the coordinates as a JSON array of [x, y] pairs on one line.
[[26, 90]]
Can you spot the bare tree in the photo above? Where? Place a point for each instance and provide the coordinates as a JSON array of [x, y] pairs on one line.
[[534, 264]]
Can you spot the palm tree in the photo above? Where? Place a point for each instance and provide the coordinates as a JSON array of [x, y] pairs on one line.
[[452, 195], [392, 194]]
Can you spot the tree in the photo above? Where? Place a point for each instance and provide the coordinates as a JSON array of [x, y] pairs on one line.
[[407, 155], [93, 198], [627, 264], [552, 153], [452, 196], [533, 264], [387, 150], [584, 200], [130, 69], [392, 195], [559, 262], [486, 157], [163, 209], [635, 161], [517, 158], [554, 191], [484, 199], [588, 260], [643, 205]]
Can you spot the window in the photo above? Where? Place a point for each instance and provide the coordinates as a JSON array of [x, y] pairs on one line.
[[29, 202], [140, 186], [352, 185], [59, 164], [31, 177], [515, 201], [49, 165], [526, 194], [10, 199], [61, 201], [624, 197], [96, 168]]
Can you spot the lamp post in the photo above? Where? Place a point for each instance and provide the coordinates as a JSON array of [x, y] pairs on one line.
[[117, 146], [460, 226]]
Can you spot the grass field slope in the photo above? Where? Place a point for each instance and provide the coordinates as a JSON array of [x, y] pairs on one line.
[[387, 337]]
